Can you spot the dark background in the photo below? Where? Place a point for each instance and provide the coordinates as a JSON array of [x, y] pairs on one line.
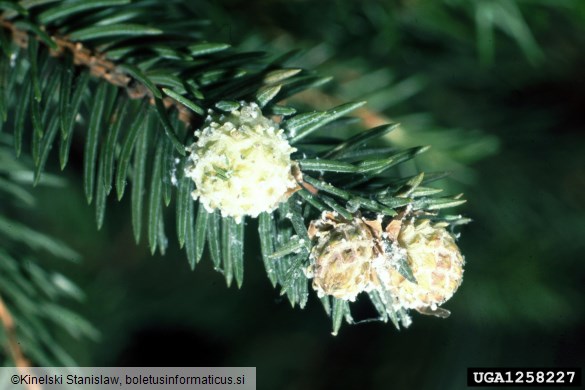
[[504, 111]]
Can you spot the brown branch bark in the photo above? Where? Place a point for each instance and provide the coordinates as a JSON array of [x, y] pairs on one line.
[[99, 66], [20, 360]]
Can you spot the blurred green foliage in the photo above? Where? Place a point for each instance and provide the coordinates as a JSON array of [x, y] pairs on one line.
[[31, 290], [497, 88]]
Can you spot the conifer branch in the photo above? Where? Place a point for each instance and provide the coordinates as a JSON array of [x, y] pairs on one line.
[[248, 159], [317, 98], [14, 348], [20, 360], [98, 66]]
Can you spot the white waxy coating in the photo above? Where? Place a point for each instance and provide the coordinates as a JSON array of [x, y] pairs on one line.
[[241, 164]]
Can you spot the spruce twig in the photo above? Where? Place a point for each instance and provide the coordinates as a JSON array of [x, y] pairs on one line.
[[99, 67], [352, 178], [20, 361]]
